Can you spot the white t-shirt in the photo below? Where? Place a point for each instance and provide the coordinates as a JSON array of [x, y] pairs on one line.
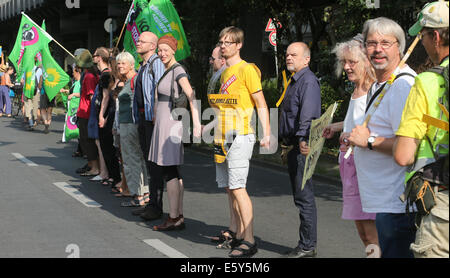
[[355, 113], [380, 178]]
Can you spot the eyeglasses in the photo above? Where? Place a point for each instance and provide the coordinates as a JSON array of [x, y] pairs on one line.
[[226, 44], [384, 44], [95, 55], [212, 58], [351, 63], [422, 34], [139, 41]]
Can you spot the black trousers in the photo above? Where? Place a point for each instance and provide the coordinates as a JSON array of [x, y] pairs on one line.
[[106, 139], [155, 172], [304, 200]]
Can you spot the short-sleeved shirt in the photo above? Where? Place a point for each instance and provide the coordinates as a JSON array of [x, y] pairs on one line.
[[87, 90], [239, 82], [380, 178], [416, 106]]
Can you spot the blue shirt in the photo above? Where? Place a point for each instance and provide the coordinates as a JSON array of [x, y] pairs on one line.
[[300, 106], [148, 87]]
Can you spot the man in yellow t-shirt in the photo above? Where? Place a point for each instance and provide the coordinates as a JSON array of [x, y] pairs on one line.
[[416, 135], [240, 92]]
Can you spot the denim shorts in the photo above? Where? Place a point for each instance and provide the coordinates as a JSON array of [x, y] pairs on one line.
[[234, 171]]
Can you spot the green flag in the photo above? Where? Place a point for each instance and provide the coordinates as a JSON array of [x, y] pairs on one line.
[[158, 17], [55, 78], [30, 39]]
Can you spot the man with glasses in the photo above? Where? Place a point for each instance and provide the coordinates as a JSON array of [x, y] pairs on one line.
[[240, 92], [380, 178], [426, 138], [146, 81]]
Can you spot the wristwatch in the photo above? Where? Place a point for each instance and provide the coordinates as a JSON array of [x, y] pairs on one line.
[[370, 141]]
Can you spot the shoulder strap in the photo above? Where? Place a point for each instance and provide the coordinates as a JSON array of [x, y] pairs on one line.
[[132, 83], [382, 87], [151, 67], [437, 69], [168, 71]]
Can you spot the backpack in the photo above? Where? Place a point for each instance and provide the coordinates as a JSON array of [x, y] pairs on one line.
[[419, 187], [443, 71]]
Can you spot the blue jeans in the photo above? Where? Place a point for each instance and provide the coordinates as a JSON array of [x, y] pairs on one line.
[[304, 200], [396, 232]]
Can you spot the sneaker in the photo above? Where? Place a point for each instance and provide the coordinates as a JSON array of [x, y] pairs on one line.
[[298, 252]]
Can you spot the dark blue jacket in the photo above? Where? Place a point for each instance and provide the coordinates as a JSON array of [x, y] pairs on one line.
[[300, 106]]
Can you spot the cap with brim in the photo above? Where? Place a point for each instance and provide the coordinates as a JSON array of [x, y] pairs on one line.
[[433, 15], [84, 60]]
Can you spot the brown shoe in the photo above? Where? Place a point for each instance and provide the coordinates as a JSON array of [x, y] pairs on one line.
[[170, 224]]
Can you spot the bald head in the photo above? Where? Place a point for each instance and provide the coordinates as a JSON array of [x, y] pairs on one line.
[[216, 60], [298, 56], [146, 44]]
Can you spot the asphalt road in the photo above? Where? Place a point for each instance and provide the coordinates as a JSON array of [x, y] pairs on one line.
[[48, 211]]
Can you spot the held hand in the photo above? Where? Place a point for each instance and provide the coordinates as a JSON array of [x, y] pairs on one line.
[[328, 132], [359, 136], [343, 140], [304, 148], [101, 121], [265, 142], [197, 132]]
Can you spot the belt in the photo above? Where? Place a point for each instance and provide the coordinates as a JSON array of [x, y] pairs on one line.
[[164, 98]]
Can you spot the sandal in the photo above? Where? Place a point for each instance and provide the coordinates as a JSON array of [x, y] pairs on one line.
[[222, 237], [106, 182], [87, 174], [147, 198], [245, 253], [134, 203]]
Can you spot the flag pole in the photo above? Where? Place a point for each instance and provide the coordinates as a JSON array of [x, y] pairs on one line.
[[48, 35], [124, 24]]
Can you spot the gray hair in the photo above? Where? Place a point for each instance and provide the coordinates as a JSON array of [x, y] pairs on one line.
[[127, 57], [385, 26], [355, 49]]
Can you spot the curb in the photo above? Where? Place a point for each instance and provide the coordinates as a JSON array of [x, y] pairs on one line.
[[263, 163]]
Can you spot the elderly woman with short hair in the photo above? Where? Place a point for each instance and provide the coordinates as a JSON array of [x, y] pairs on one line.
[[133, 160]]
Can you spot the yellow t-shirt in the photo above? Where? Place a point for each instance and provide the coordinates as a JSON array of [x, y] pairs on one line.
[[416, 106], [234, 101]]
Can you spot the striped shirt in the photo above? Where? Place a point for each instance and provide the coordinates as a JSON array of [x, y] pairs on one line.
[[149, 83]]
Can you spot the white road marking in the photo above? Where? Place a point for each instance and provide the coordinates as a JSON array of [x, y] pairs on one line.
[[164, 248], [76, 194], [24, 160]]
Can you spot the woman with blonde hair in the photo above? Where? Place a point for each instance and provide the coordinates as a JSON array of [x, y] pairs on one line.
[[352, 59], [134, 166]]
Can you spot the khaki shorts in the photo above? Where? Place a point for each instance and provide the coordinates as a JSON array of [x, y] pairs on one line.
[[234, 171], [432, 235]]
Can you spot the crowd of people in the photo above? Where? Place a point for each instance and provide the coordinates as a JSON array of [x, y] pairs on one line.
[[133, 139]]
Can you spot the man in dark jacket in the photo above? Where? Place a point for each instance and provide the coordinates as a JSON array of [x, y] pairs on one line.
[[300, 106]]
